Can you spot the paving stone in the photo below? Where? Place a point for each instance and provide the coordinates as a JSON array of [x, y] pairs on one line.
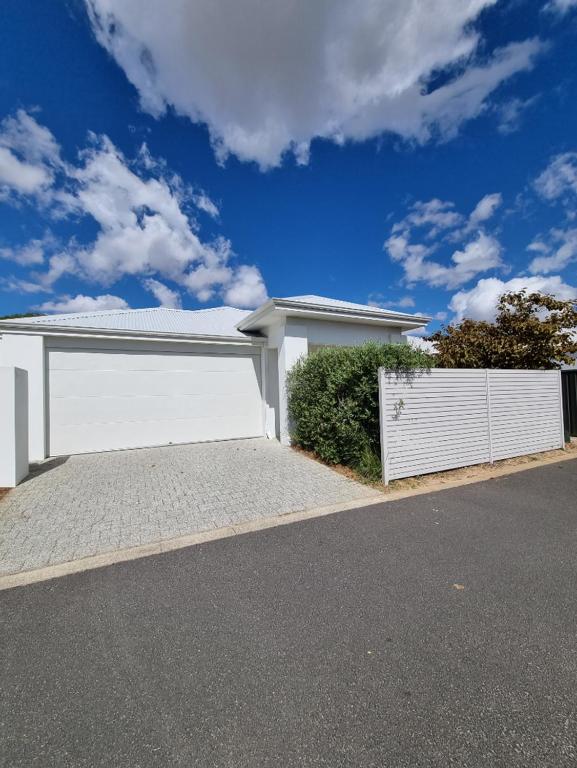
[[94, 503]]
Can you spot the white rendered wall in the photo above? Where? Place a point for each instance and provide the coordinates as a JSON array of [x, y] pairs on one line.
[[272, 423], [293, 346], [27, 352], [342, 334], [293, 339], [13, 426]]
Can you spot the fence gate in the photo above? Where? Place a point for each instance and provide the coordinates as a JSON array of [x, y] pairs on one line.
[[447, 418]]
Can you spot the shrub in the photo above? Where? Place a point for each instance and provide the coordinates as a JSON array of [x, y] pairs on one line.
[[334, 401]]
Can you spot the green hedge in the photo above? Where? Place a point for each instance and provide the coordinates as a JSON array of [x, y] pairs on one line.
[[334, 401]]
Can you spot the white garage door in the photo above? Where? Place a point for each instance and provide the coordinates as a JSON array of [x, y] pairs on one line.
[[104, 400]]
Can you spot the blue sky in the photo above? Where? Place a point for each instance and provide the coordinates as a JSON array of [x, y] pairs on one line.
[[417, 156]]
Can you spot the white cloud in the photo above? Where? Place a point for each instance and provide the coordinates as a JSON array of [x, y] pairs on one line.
[[204, 203], [416, 342], [142, 212], [20, 176], [29, 156], [479, 255], [511, 112], [559, 179], [247, 288], [144, 228], [435, 215], [561, 6], [18, 285], [555, 255], [165, 296], [30, 254], [378, 300], [485, 208], [436, 223], [34, 142], [267, 78], [480, 302], [82, 303]]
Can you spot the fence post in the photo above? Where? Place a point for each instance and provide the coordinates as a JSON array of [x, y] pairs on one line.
[[488, 391], [561, 415], [383, 430]]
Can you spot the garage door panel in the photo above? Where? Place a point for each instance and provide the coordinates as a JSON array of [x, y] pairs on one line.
[[153, 383], [71, 360], [105, 400], [110, 437], [88, 411]]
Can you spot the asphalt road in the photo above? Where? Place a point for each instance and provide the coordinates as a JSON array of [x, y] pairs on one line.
[[435, 631]]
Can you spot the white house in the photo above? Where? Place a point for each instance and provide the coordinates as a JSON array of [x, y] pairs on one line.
[[100, 381]]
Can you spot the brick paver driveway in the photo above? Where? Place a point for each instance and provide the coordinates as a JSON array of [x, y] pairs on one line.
[[87, 505]]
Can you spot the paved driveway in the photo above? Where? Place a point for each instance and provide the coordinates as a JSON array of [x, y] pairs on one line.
[[87, 505], [434, 631]]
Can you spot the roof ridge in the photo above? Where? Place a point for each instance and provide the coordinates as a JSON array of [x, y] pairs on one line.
[[114, 312], [181, 309]]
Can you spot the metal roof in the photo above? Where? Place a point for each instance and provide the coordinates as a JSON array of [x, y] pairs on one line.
[[322, 301], [335, 309], [218, 321]]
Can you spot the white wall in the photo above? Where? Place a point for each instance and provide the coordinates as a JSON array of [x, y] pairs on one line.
[[27, 352], [13, 426], [294, 339], [342, 334], [272, 421], [448, 418], [293, 345]]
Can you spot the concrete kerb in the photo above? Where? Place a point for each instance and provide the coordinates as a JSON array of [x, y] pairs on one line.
[[24, 578]]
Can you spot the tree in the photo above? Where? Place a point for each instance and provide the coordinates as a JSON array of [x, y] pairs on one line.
[[531, 330], [24, 314]]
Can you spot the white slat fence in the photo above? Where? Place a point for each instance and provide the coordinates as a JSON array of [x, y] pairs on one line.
[[447, 418]]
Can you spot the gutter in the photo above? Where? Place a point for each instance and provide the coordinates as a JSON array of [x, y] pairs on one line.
[[68, 331]]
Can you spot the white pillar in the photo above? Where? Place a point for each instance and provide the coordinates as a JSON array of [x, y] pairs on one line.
[[293, 345], [13, 426], [27, 352]]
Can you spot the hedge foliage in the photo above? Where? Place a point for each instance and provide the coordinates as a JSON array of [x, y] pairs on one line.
[[334, 401]]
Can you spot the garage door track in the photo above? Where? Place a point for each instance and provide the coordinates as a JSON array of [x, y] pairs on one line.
[[79, 506]]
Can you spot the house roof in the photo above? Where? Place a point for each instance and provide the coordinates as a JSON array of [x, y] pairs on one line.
[[218, 321], [320, 307], [323, 301]]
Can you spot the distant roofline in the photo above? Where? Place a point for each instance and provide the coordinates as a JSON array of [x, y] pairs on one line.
[[39, 319]]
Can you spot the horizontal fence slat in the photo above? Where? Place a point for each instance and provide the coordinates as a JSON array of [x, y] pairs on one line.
[[441, 466], [438, 395], [438, 453], [431, 412], [448, 422], [543, 436], [445, 419], [402, 440]]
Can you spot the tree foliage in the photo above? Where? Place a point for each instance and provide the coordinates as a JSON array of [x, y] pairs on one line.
[[334, 400], [24, 314], [531, 330]]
